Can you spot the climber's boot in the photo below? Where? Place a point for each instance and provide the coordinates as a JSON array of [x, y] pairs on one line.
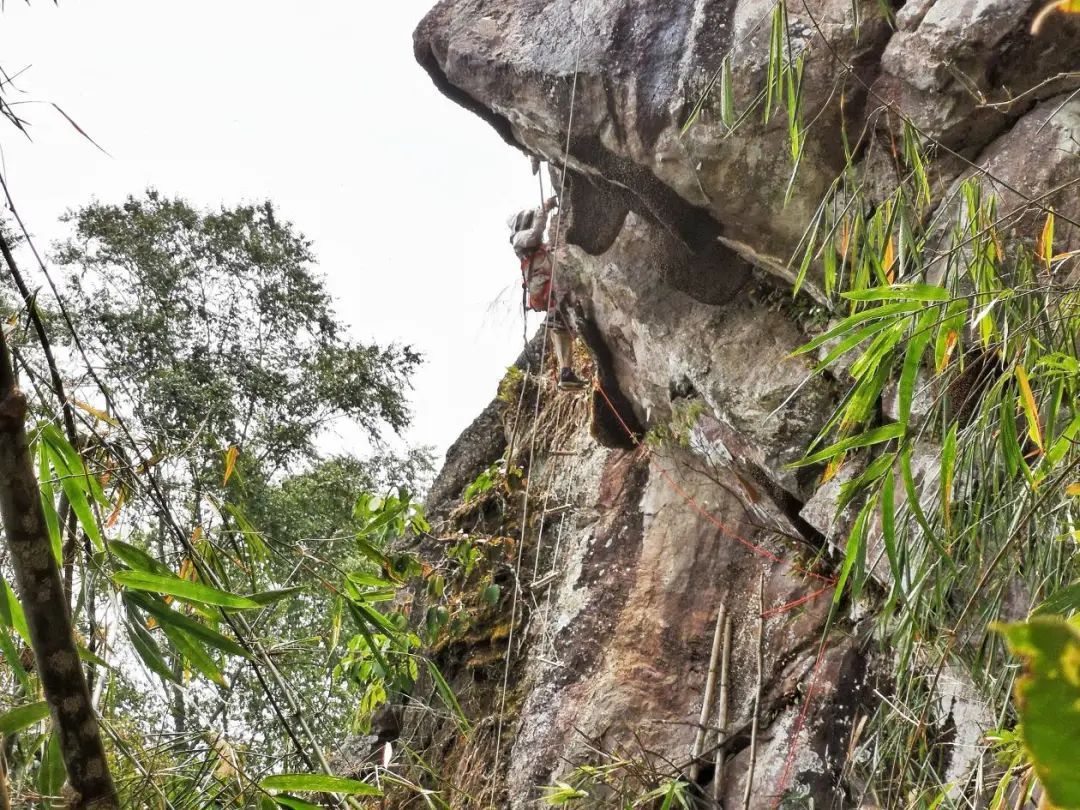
[[569, 381]]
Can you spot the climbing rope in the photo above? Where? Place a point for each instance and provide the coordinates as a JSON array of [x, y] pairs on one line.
[[516, 599], [701, 510]]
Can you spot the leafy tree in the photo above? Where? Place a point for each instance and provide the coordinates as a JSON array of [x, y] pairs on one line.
[[215, 328], [227, 363]]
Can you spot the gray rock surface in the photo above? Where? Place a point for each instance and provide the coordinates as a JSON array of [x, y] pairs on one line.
[[677, 247]]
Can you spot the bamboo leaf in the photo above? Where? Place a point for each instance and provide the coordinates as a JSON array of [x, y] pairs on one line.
[[192, 652], [182, 589], [879, 349], [365, 631], [320, 783], [886, 311], [1048, 702], [15, 720], [48, 503], [948, 335], [76, 496], [727, 94], [92, 658], [294, 803], [888, 530], [870, 437], [97, 413], [948, 471], [167, 616], [448, 697], [67, 457], [11, 611], [912, 495], [854, 566], [866, 395], [810, 252], [137, 559], [850, 342], [11, 655], [917, 343], [1031, 410], [79, 486], [1058, 450], [148, 650], [230, 464], [900, 292], [1010, 445], [1064, 602], [873, 473], [252, 538], [51, 774], [1046, 239], [374, 618]]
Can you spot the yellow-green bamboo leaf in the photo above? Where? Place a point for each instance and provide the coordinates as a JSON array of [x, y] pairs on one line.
[[1031, 410]]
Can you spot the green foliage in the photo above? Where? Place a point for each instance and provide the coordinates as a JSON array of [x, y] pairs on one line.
[[318, 783], [987, 358], [217, 327], [622, 783], [483, 482], [684, 416], [182, 589], [382, 659], [1048, 701], [207, 542], [510, 385], [959, 344], [15, 720]]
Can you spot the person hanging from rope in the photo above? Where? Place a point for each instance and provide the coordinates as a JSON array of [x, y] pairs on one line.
[[539, 293]]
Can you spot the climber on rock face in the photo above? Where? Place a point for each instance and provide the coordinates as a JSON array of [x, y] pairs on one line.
[[541, 295]]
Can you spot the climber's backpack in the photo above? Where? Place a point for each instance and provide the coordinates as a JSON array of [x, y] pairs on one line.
[[536, 268]]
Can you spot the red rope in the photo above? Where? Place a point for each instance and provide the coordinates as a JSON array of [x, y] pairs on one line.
[[776, 611], [830, 583], [789, 762], [690, 501]]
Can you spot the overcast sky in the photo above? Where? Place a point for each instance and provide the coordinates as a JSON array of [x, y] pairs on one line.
[[317, 106]]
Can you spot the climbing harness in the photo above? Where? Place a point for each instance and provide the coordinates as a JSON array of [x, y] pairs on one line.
[[536, 273]]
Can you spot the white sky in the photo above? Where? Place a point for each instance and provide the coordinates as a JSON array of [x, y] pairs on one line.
[[317, 106]]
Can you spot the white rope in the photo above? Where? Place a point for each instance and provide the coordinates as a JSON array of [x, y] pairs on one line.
[[536, 410]]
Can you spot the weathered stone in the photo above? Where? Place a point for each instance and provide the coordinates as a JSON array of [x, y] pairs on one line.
[[666, 236]]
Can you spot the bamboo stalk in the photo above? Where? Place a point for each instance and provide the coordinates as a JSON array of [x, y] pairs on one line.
[[5, 796], [41, 592], [722, 716], [757, 694], [707, 699]]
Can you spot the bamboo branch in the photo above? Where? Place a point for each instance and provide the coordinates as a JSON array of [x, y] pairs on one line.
[[707, 699], [41, 593], [757, 695], [721, 716], [43, 338]]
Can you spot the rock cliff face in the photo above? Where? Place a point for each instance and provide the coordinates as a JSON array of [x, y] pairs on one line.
[[678, 247]]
